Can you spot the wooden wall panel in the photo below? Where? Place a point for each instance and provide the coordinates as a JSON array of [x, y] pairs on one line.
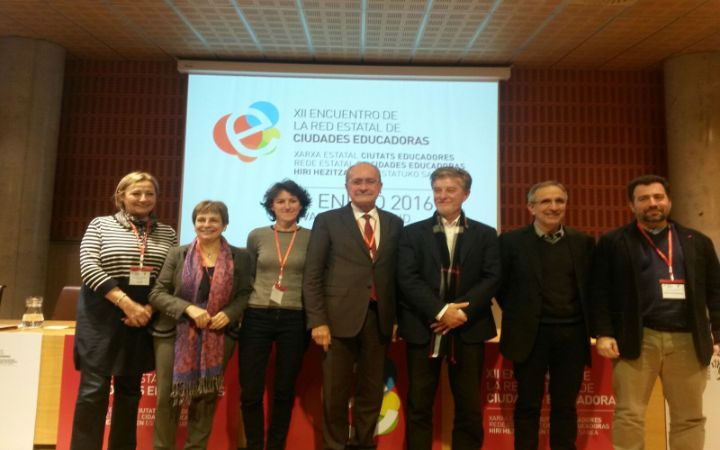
[[592, 130], [117, 117]]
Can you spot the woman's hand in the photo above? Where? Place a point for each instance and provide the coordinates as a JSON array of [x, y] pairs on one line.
[[219, 321], [198, 315], [136, 315]]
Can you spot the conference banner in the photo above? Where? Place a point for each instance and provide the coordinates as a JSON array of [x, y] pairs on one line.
[[225, 424], [244, 133], [305, 428], [595, 406]]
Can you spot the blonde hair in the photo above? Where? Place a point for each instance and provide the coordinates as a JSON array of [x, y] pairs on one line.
[[127, 181]]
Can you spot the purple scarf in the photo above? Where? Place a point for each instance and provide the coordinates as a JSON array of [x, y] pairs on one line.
[[198, 367]]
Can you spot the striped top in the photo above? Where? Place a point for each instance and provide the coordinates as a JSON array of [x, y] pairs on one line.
[[103, 343], [109, 248]]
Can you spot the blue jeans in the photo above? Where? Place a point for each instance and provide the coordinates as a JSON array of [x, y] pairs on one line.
[[260, 329]]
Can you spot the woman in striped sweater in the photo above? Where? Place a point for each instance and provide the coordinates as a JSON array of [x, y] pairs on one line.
[[120, 258]]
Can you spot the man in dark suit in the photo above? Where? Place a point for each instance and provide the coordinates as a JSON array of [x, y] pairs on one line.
[[349, 294], [448, 271], [656, 311], [544, 300]]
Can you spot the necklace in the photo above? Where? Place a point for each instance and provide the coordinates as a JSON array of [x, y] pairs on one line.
[[209, 256]]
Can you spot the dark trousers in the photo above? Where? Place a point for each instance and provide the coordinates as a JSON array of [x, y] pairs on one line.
[[464, 376], [559, 350], [366, 352], [91, 408], [260, 328]]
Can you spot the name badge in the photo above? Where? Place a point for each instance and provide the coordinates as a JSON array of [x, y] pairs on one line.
[[673, 289], [140, 276], [276, 293]]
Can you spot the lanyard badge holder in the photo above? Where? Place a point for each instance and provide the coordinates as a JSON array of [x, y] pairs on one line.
[[278, 290], [140, 275], [671, 288]]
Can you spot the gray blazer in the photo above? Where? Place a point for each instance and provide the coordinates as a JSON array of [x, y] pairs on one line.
[[339, 273], [165, 295]]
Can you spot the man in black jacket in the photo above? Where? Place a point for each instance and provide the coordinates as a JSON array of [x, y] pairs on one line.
[[655, 298], [448, 272], [544, 325]]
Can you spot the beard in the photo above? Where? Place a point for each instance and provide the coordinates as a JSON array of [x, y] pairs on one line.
[[649, 217]]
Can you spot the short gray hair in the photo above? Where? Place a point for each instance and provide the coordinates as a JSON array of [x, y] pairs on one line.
[[452, 172], [542, 184]]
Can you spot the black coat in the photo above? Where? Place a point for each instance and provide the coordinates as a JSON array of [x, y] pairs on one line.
[[615, 289], [419, 264], [520, 292]]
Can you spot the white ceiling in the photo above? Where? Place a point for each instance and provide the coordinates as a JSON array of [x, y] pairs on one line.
[[592, 34]]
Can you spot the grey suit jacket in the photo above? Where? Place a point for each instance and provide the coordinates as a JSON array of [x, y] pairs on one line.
[[339, 273], [520, 292], [165, 295]]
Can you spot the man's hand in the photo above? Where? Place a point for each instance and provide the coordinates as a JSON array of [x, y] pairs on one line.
[[219, 321], [198, 315], [607, 347], [453, 317], [321, 336]]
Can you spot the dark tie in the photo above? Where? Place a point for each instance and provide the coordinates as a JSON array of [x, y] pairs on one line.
[[372, 248]]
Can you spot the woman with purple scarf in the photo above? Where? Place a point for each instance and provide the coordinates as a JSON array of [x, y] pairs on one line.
[[202, 288]]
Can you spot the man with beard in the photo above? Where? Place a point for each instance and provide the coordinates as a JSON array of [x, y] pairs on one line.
[[655, 297]]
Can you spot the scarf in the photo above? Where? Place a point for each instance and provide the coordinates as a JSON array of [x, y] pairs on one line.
[[198, 367], [124, 219], [449, 280]]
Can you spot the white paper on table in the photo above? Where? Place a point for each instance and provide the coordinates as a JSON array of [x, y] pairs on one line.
[[20, 374]]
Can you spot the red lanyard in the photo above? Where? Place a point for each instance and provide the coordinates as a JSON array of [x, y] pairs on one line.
[[142, 244], [283, 259], [669, 257]]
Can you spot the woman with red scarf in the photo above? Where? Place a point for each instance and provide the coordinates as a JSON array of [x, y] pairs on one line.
[[203, 287]]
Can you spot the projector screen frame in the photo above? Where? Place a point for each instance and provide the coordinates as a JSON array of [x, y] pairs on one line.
[[339, 71]]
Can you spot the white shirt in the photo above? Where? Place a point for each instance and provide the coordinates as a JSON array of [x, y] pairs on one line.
[[452, 229]]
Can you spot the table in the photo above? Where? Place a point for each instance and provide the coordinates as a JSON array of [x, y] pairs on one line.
[[51, 363], [53, 343]]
